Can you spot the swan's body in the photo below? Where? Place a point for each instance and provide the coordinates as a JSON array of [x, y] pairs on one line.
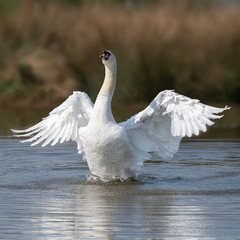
[[117, 151]]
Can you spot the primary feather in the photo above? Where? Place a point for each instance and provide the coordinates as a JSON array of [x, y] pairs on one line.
[[62, 123]]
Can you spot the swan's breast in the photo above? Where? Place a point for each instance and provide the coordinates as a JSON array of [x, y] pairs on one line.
[[105, 143], [102, 136], [108, 151]]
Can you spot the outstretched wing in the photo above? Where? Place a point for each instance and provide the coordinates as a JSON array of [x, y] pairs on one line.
[[170, 116], [63, 122]]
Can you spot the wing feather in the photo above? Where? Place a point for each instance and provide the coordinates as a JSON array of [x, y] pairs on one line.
[[174, 116], [62, 123], [62, 131]]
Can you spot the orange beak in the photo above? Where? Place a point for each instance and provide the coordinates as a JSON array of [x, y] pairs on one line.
[[104, 55]]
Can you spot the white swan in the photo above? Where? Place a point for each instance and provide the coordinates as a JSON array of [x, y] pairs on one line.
[[117, 151]]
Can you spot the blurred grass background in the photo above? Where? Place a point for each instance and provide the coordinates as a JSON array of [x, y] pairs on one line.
[[50, 48]]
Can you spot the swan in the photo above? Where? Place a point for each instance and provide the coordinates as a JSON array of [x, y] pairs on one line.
[[117, 150]]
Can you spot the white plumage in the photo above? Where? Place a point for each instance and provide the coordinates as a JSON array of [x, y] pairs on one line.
[[117, 151]]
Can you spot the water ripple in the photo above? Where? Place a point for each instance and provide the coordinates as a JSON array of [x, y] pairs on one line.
[[46, 194]]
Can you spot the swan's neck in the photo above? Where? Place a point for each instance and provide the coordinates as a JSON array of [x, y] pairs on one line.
[[109, 83], [102, 107]]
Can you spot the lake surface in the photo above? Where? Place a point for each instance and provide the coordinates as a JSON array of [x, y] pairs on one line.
[[45, 194]]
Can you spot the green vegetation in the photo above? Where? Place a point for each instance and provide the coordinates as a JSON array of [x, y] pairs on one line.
[[52, 48]]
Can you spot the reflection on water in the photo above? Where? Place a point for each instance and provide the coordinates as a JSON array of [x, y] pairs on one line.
[[44, 195]]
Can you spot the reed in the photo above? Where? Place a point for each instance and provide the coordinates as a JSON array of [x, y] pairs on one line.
[[195, 50]]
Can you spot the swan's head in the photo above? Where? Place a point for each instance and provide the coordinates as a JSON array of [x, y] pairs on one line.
[[108, 58]]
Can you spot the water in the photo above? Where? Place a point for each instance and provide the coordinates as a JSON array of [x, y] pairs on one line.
[[44, 194]]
